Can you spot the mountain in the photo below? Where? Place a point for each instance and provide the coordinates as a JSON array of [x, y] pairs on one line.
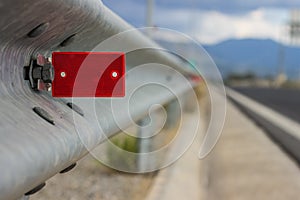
[[259, 56], [254, 55]]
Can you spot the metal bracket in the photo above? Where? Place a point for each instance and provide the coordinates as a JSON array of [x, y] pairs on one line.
[[39, 73]]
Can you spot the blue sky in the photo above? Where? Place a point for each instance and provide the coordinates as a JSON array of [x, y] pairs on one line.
[[212, 21]]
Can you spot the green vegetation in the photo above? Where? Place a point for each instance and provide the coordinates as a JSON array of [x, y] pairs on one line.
[[121, 153], [126, 142], [243, 76], [291, 84]]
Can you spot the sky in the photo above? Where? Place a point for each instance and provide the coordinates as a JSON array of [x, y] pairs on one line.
[[213, 21]]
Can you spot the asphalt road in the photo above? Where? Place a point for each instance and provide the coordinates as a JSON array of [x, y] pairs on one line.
[[284, 101]]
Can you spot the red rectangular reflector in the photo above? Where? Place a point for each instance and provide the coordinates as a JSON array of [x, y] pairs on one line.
[[88, 74]]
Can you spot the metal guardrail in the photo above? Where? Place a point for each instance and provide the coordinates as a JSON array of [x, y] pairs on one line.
[[31, 149]]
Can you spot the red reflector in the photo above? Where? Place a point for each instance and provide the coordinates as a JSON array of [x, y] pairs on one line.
[[88, 74]]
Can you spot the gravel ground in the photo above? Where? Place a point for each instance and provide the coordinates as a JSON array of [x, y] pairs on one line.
[[91, 180]]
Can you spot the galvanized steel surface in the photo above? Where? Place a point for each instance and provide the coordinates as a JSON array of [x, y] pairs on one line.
[[31, 149]]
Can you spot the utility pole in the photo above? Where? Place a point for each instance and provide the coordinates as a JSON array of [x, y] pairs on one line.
[[149, 15], [295, 26], [281, 76], [294, 39]]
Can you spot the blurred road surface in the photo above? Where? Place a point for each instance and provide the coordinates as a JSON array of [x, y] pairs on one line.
[[281, 119], [284, 101], [247, 165]]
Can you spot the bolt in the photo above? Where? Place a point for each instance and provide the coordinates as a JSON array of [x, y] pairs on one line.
[[26, 73], [48, 87], [115, 74], [63, 74]]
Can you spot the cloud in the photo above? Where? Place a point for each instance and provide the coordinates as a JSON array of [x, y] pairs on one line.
[[228, 6], [211, 26], [225, 6], [214, 26]]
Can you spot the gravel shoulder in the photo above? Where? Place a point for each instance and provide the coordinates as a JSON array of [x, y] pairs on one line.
[[93, 181]]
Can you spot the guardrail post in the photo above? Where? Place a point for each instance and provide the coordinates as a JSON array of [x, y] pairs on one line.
[[144, 142], [173, 113]]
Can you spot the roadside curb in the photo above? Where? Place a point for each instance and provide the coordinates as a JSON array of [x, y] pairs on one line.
[[181, 180]]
